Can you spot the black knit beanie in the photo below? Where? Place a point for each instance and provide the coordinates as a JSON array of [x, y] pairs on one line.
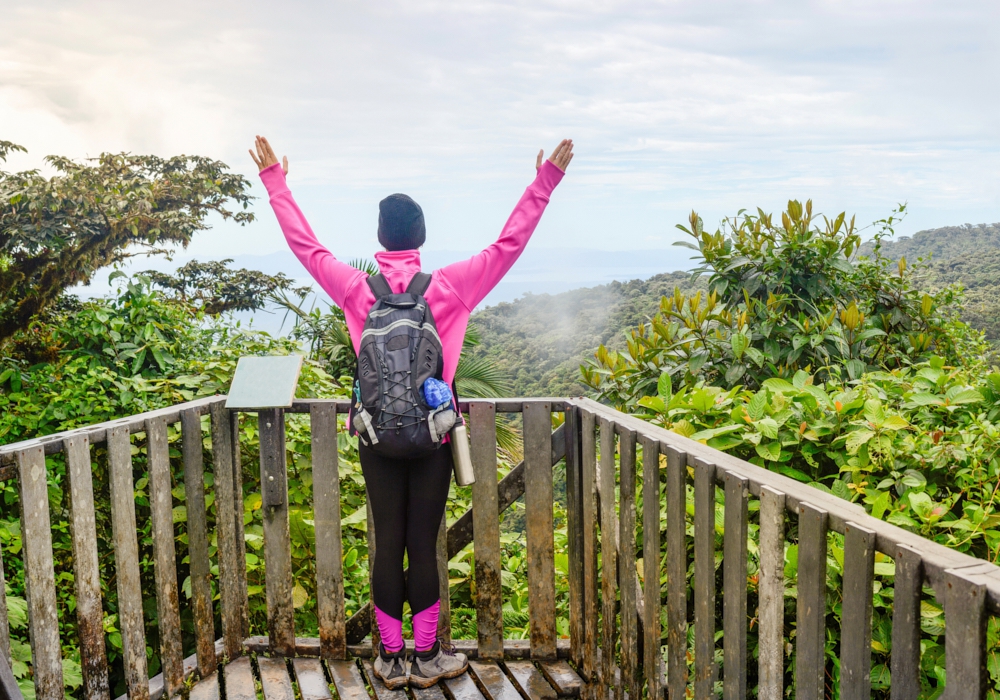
[[400, 223]]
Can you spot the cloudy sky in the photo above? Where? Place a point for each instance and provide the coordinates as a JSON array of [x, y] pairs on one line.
[[713, 106]]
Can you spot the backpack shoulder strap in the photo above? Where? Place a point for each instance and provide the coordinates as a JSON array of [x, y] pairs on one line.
[[418, 285], [379, 285]]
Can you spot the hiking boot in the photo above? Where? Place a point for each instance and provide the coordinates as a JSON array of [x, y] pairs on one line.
[[437, 663], [392, 669]]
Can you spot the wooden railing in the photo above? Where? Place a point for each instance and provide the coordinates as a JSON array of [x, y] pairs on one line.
[[615, 637]]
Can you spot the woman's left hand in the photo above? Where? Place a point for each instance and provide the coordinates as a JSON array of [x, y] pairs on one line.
[[265, 158]]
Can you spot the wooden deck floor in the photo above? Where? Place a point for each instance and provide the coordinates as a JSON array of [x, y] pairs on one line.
[[253, 676]]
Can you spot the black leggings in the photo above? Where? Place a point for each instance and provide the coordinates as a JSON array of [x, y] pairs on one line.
[[408, 498]]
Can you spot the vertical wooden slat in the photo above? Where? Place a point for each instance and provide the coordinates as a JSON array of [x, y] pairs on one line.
[[771, 587], [127, 563], [609, 553], [626, 563], [241, 545], [588, 466], [538, 514], [651, 564], [677, 565], [486, 527], [704, 579], [810, 662], [39, 573], [226, 508], [277, 544], [197, 531], [4, 623], [444, 587], [905, 659], [326, 506], [574, 533], [165, 555], [734, 589], [372, 546], [86, 570], [965, 652], [856, 613]]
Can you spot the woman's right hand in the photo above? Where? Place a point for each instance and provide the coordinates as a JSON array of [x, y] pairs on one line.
[[560, 157], [265, 158]]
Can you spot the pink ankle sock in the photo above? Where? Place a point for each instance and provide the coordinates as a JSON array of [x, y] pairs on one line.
[[391, 631], [425, 627]]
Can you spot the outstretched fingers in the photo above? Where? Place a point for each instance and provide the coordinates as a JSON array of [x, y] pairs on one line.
[[562, 154]]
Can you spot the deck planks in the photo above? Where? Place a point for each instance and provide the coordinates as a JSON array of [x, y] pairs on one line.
[[347, 679], [492, 680], [530, 681], [311, 679], [562, 677], [462, 688], [432, 693], [274, 678], [239, 680], [206, 689]]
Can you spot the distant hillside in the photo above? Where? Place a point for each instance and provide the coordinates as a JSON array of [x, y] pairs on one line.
[[541, 339]]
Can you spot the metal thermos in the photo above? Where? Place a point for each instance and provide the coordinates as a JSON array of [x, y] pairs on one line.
[[464, 476]]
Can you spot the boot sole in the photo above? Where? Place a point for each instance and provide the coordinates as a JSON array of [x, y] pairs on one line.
[[421, 682], [393, 684]]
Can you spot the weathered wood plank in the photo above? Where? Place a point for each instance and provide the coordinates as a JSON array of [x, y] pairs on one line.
[[432, 693], [277, 544], [652, 658], [531, 683], [486, 523], [574, 534], [704, 578], [378, 687], [206, 689], [771, 591], [538, 515], [4, 622], [810, 662], [564, 679], [86, 571], [965, 653], [326, 504], [461, 688], [126, 548], [274, 679], [9, 689], [677, 564], [492, 681], [239, 680], [856, 614], [241, 544], [444, 587], [609, 552], [197, 531], [347, 680], [905, 660], [39, 573], [627, 578], [311, 679], [161, 505], [734, 589], [226, 508], [588, 458]]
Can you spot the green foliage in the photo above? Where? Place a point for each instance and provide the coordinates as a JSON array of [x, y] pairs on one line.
[[55, 232], [216, 289]]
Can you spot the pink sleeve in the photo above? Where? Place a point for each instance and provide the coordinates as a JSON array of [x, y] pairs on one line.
[[335, 277], [474, 278]]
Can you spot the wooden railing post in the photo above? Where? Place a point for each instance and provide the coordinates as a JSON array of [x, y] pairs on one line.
[[905, 661], [771, 586], [651, 565], [39, 575], [965, 652], [856, 613], [677, 565], [86, 571], [704, 579], [127, 564], [810, 640], [486, 529], [227, 505], [734, 589], [589, 518], [574, 534], [538, 515], [609, 554], [277, 539], [241, 545], [627, 578], [326, 504]]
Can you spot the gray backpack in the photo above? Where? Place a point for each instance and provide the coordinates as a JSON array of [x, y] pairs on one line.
[[400, 350]]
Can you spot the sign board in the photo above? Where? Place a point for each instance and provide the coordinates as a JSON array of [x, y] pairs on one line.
[[264, 382]]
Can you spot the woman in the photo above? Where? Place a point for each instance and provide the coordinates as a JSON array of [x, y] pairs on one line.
[[408, 496]]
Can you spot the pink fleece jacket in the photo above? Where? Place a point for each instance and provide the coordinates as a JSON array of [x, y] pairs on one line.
[[454, 291]]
